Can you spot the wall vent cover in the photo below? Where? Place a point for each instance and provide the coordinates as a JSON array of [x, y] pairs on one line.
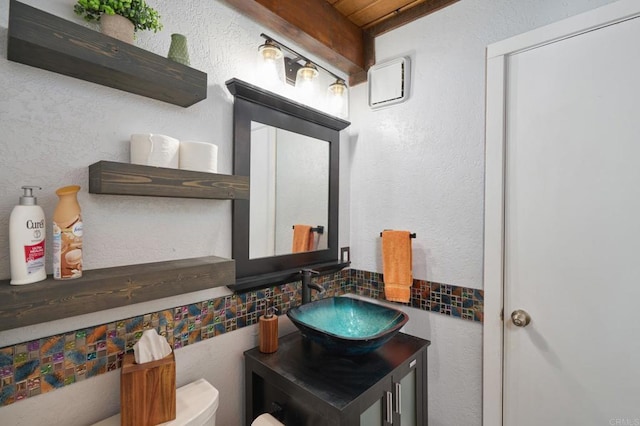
[[389, 82]]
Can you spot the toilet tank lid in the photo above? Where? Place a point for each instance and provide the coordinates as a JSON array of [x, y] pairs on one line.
[[194, 401]]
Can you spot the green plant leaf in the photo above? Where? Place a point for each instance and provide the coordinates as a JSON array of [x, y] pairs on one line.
[[138, 12]]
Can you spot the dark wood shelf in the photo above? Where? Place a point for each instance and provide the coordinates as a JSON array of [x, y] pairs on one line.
[[109, 288], [51, 43], [107, 177]]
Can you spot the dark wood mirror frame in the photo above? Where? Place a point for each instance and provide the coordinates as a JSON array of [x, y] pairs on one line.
[[255, 104]]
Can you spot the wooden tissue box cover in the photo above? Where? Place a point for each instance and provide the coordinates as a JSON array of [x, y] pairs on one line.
[[147, 391]]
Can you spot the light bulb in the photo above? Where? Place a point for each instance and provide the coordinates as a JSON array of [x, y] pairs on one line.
[[338, 99], [270, 50], [271, 65], [306, 83]]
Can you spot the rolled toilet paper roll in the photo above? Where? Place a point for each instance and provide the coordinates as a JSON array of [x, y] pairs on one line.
[[150, 149], [266, 419], [199, 156]]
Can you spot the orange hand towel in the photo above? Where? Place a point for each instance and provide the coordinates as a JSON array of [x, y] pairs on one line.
[[302, 238], [396, 265]]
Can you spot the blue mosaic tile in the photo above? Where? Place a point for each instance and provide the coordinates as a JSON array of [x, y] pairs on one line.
[[194, 336], [6, 359], [208, 319], [194, 310], [76, 357], [54, 380], [134, 324], [51, 345], [478, 295], [219, 328], [96, 367], [23, 371], [230, 312], [7, 394]]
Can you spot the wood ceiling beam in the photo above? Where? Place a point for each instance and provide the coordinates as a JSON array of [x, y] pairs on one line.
[[405, 15], [317, 27]]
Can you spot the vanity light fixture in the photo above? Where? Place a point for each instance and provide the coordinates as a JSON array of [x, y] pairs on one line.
[[306, 83], [338, 96], [271, 63], [303, 74], [307, 73]]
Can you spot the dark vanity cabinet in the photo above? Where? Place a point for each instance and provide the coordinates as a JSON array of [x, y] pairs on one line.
[[301, 384]]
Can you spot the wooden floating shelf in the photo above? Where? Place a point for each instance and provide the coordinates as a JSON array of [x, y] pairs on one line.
[[107, 177], [51, 43], [109, 288]]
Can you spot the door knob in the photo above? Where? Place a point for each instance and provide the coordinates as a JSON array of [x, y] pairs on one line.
[[520, 318]]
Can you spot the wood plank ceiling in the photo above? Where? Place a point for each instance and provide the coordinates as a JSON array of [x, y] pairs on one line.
[[340, 32], [367, 13]]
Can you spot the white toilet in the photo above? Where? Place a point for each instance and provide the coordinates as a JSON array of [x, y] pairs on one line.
[[196, 405]]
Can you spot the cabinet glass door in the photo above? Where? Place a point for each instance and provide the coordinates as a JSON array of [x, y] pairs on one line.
[[408, 395], [373, 416]]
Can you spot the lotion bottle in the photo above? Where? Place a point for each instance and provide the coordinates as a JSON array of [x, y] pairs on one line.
[[268, 331], [27, 231], [67, 235]]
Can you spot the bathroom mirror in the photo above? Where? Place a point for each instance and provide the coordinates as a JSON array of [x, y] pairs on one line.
[[312, 142], [286, 167]]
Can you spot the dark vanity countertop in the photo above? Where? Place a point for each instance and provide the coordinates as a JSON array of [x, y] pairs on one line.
[[336, 379]]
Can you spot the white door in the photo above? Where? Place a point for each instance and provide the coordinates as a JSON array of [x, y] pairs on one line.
[[571, 230]]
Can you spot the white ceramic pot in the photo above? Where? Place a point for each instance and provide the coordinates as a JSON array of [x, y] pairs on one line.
[[117, 26]]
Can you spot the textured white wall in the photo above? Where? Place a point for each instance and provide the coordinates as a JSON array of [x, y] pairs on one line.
[[419, 166], [53, 127]]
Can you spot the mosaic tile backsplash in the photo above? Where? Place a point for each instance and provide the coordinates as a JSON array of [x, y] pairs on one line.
[[40, 366], [460, 302]]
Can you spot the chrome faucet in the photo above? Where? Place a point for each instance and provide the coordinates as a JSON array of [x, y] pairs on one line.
[[307, 285]]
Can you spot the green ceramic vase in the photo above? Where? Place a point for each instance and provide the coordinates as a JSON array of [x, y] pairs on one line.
[[178, 50]]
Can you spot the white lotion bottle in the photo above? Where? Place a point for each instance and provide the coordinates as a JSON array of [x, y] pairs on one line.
[[27, 231]]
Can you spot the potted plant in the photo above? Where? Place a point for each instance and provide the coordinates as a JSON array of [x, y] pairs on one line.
[[129, 16]]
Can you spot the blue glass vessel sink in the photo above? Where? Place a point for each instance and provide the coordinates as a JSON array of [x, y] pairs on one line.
[[347, 326]]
